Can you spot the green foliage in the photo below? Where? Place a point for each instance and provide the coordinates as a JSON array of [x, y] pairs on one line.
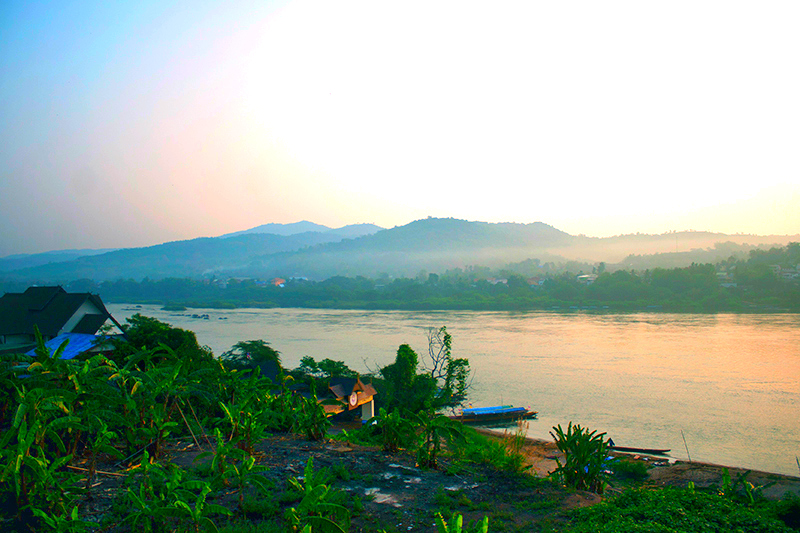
[[585, 456], [403, 387], [451, 374], [318, 506], [327, 368], [484, 450], [310, 418], [163, 497], [631, 470], [456, 525], [146, 333], [436, 431], [392, 430], [741, 489], [672, 510], [248, 354]]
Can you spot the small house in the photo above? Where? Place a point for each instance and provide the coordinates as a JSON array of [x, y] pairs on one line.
[[351, 394], [53, 311]]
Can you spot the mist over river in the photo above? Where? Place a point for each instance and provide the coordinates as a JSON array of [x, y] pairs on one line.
[[730, 383]]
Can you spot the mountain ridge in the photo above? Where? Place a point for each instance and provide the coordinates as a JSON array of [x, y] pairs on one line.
[[431, 244]]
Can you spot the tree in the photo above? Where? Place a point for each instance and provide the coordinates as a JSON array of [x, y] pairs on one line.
[[404, 388], [450, 374], [147, 333], [250, 354]]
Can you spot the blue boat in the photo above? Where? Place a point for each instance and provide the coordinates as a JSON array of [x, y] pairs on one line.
[[494, 414]]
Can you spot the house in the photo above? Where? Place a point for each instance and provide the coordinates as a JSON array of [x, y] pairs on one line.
[[351, 393], [53, 311], [278, 282]]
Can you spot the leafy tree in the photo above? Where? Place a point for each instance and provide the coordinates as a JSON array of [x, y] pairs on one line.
[[248, 354], [404, 388], [147, 333]]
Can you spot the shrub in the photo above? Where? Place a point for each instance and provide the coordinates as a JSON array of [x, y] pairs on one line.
[[585, 454]]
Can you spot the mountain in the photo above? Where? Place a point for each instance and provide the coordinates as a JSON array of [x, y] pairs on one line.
[[346, 232], [432, 245], [191, 258], [16, 262], [281, 229]]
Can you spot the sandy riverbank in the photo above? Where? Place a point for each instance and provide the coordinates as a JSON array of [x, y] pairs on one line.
[[541, 456]]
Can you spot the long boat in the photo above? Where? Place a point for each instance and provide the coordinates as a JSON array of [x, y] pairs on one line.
[[497, 413], [643, 451]]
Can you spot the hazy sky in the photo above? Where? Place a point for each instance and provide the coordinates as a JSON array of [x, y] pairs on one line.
[[134, 123]]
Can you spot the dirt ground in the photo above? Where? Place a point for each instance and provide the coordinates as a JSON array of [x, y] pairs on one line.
[[398, 496]]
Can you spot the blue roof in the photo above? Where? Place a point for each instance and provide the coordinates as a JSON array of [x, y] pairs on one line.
[[78, 344]]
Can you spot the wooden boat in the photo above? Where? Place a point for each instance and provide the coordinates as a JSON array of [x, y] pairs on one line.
[[643, 451], [493, 415]]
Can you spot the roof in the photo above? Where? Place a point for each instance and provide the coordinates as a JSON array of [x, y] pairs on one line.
[[78, 343], [49, 308], [344, 387]]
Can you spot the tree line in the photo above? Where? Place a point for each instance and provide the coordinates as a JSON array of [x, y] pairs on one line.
[[757, 283]]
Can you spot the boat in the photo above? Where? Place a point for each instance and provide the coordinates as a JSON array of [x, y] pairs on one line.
[[643, 451], [494, 414]]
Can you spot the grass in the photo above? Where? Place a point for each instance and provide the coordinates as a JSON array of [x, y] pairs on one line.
[[673, 510]]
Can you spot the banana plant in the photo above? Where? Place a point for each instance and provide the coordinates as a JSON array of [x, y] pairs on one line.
[[395, 431], [435, 430], [311, 419], [316, 508], [197, 515], [456, 525]]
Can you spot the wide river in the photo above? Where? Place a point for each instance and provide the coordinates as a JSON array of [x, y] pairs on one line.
[[728, 384]]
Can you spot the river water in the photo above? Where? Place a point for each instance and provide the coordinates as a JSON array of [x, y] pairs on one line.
[[727, 384]]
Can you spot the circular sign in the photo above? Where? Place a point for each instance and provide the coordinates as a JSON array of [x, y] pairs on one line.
[[353, 399]]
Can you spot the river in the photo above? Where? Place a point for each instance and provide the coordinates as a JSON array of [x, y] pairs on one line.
[[728, 384]]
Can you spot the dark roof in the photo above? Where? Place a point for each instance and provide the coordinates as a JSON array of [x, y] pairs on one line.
[[344, 387], [90, 324], [49, 308]]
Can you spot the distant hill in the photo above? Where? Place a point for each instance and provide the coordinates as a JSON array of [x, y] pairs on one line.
[[16, 262], [304, 226], [431, 245], [191, 258], [281, 229]]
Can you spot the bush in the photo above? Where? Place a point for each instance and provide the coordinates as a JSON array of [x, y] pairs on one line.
[[632, 470], [585, 456]]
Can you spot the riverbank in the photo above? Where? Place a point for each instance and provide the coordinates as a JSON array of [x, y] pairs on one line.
[[540, 456]]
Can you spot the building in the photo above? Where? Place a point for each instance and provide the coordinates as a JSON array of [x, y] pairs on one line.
[[351, 393], [53, 311]]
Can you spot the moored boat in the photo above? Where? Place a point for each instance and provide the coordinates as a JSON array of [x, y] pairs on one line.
[[643, 451], [494, 414]]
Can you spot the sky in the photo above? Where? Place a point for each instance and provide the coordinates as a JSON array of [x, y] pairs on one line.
[[128, 124]]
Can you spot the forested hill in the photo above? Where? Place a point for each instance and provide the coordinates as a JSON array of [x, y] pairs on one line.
[[191, 258], [432, 245]]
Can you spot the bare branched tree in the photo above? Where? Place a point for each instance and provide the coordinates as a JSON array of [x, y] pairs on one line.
[[452, 375]]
